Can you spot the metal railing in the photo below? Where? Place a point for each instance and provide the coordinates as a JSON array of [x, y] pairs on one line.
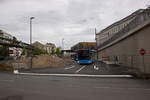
[[139, 20]]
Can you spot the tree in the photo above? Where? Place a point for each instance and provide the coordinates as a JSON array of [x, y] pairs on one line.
[[23, 51], [36, 51], [4, 52], [58, 51]]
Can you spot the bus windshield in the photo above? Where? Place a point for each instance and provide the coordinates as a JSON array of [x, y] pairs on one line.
[[84, 55]]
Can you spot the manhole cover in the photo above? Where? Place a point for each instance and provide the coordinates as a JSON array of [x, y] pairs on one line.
[[12, 98]]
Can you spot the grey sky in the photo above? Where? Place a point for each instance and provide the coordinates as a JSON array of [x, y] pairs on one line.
[[73, 20]]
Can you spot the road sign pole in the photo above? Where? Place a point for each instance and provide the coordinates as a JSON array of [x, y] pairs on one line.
[[143, 52], [143, 63]]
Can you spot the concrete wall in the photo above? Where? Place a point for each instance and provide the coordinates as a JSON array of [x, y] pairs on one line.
[[127, 50]]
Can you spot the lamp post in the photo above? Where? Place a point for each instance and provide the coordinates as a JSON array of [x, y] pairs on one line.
[[96, 67], [62, 43], [31, 18]]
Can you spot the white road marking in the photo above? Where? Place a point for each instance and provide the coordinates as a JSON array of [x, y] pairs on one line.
[[15, 71], [79, 69], [96, 67], [70, 67], [79, 75]]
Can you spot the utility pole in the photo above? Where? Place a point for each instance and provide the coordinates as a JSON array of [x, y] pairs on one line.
[[31, 40]]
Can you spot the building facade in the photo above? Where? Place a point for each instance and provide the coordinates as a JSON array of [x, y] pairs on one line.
[[123, 47], [13, 51], [84, 45], [111, 30], [49, 47]]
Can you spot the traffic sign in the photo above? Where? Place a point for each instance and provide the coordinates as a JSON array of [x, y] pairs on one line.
[[11, 52], [142, 51]]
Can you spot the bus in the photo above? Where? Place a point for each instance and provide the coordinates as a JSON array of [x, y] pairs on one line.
[[84, 57]]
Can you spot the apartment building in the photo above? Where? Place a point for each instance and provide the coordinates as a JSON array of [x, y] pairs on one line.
[[13, 51], [49, 47]]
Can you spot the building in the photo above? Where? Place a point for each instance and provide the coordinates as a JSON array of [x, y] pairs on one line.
[[84, 45], [5, 35], [121, 42], [111, 30], [38, 45], [49, 47], [13, 51], [68, 53]]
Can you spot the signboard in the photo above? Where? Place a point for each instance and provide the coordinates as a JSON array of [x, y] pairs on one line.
[[10, 51], [142, 52]]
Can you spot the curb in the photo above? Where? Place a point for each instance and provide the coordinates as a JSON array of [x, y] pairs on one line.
[[75, 75]]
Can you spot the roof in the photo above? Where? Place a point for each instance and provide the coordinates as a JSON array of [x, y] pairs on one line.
[[84, 45]]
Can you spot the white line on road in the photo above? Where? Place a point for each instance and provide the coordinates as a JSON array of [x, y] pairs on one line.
[[79, 69], [70, 67]]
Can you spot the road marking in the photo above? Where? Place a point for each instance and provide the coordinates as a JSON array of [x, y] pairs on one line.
[[79, 75], [96, 67], [70, 67], [79, 69]]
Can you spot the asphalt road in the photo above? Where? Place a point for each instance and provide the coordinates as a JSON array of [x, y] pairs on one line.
[[22, 87], [74, 68]]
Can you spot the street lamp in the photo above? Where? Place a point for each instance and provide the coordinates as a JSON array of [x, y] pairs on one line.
[[31, 18], [62, 43], [96, 67]]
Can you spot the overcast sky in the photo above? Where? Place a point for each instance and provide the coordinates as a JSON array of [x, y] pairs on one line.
[[73, 20]]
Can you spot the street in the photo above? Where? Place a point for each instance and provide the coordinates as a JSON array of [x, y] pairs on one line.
[[74, 50], [30, 87], [74, 68]]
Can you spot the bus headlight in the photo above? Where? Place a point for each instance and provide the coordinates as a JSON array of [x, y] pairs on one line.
[[89, 61]]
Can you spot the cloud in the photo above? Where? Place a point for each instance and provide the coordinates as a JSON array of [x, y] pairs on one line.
[[73, 20]]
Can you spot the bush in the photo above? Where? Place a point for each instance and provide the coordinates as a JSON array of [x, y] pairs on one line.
[[4, 52], [36, 51]]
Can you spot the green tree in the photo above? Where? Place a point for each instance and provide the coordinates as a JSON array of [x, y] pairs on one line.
[[23, 51], [36, 51], [58, 52], [4, 51]]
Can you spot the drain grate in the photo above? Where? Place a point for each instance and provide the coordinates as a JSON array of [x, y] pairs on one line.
[[12, 98]]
